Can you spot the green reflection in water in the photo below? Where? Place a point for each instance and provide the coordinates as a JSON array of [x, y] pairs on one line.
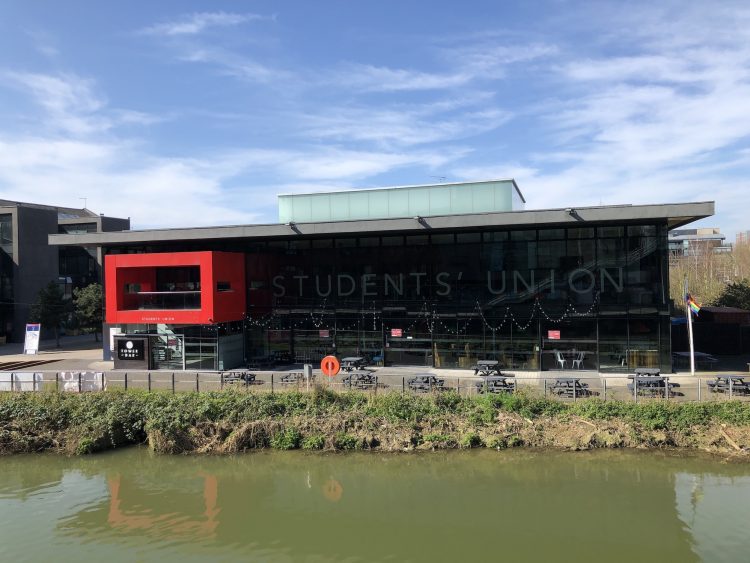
[[446, 506]]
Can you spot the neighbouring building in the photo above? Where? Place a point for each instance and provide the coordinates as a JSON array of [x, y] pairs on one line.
[[439, 275], [28, 262], [691, 242]]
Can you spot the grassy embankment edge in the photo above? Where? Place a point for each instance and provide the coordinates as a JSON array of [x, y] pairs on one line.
[[230, 422]]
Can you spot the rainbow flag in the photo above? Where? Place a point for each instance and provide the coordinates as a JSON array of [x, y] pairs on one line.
[[692, 305]]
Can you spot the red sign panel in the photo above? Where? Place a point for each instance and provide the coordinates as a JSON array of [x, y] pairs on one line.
[[397, 332], [324, 334], [553, 334]]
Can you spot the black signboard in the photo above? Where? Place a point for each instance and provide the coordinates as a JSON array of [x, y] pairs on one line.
[[130, 348]]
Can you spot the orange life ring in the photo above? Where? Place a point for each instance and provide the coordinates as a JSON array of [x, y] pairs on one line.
[[330, 366]]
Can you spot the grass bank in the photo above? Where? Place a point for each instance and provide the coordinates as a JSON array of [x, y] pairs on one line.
[[230, 422]]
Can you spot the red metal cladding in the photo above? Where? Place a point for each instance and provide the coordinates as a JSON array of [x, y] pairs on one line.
[[129, 278]]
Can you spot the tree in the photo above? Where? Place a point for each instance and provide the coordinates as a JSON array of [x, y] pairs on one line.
[[735, 294], [50, 309], [88, 307]]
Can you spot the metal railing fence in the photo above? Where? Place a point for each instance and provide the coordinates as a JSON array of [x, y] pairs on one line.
[[669, 388]]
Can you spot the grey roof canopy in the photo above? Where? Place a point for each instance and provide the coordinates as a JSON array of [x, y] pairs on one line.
[[676, 215]]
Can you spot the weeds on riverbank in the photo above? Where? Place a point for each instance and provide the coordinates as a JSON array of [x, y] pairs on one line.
[[229, 421]]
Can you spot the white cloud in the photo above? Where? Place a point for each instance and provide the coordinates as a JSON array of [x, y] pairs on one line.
[[193, 24], [407, 125]]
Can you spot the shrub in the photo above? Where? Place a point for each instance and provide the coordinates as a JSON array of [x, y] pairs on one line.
[[471, 440], [314, 442], [287, 439], [343, 441]]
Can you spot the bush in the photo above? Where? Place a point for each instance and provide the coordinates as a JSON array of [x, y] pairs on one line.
[[287, 439], [471, 440], [343, 441], [314, 442]]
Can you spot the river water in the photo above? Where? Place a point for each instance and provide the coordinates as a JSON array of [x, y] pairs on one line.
[[514, 505]]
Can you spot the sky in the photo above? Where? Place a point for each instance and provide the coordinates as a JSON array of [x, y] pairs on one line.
[[199, 113]]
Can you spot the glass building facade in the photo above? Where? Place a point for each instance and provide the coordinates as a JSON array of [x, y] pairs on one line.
[[532, 298]]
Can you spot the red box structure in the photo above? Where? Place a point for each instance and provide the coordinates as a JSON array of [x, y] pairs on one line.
[[218, 294]]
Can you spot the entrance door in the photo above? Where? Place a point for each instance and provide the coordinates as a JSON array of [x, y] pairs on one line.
[[410, 345], [569, 345]]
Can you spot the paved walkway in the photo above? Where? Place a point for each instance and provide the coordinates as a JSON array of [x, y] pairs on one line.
[[84, 353]]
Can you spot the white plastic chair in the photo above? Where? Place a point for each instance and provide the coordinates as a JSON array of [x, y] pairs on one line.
[[560, 359], [578, 361]]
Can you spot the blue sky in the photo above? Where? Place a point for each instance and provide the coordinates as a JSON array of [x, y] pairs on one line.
[[199, 113]]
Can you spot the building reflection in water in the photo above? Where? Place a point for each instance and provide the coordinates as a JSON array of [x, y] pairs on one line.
[[177, 523]]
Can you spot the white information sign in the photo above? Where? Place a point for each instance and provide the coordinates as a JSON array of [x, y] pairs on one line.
[[113, 330], [31, 343]]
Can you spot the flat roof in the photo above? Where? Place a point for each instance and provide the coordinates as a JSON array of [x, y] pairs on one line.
[[676, 215], [381, 188]]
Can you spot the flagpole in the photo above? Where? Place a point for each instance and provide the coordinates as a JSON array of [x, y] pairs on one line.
[[690, 329]]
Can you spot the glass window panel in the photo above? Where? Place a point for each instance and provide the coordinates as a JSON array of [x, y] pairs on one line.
[[393, 241], [443, 239], [523, 235], [551, 234], [467, 237], [412, 240], [345, 242], [495, 237], [587, 232], [611, 232], [369, 241], [642, 230], [322, 243]]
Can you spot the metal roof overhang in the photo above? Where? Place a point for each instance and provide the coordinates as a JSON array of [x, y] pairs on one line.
[[676, 215]]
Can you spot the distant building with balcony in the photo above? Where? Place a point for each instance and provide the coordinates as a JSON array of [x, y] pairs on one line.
[[28, 262], [742, 237], [691, 242]]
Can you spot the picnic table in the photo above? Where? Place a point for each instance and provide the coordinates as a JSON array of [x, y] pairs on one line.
[[652, 385], [495, 384], [570, 387], [361, 379], [646, 372], [241, 376], [487, 368], [425, 382], [295, 376], [730, 384], [353, 363]]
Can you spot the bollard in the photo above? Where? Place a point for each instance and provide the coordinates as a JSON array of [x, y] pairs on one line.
[[102, 381], [126, 381], [271, 383], [221, 381], [545, 388], [57, 381], [149, 382], [403, 385], [604, 389], [197, 384], [11, 380], [173, 390], [730, 388], [458, 385], [79, 381]]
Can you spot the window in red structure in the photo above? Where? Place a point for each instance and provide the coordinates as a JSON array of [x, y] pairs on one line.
[[178, 287]]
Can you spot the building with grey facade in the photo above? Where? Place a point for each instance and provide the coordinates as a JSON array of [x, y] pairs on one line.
[[440, 276], [28, 262]]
